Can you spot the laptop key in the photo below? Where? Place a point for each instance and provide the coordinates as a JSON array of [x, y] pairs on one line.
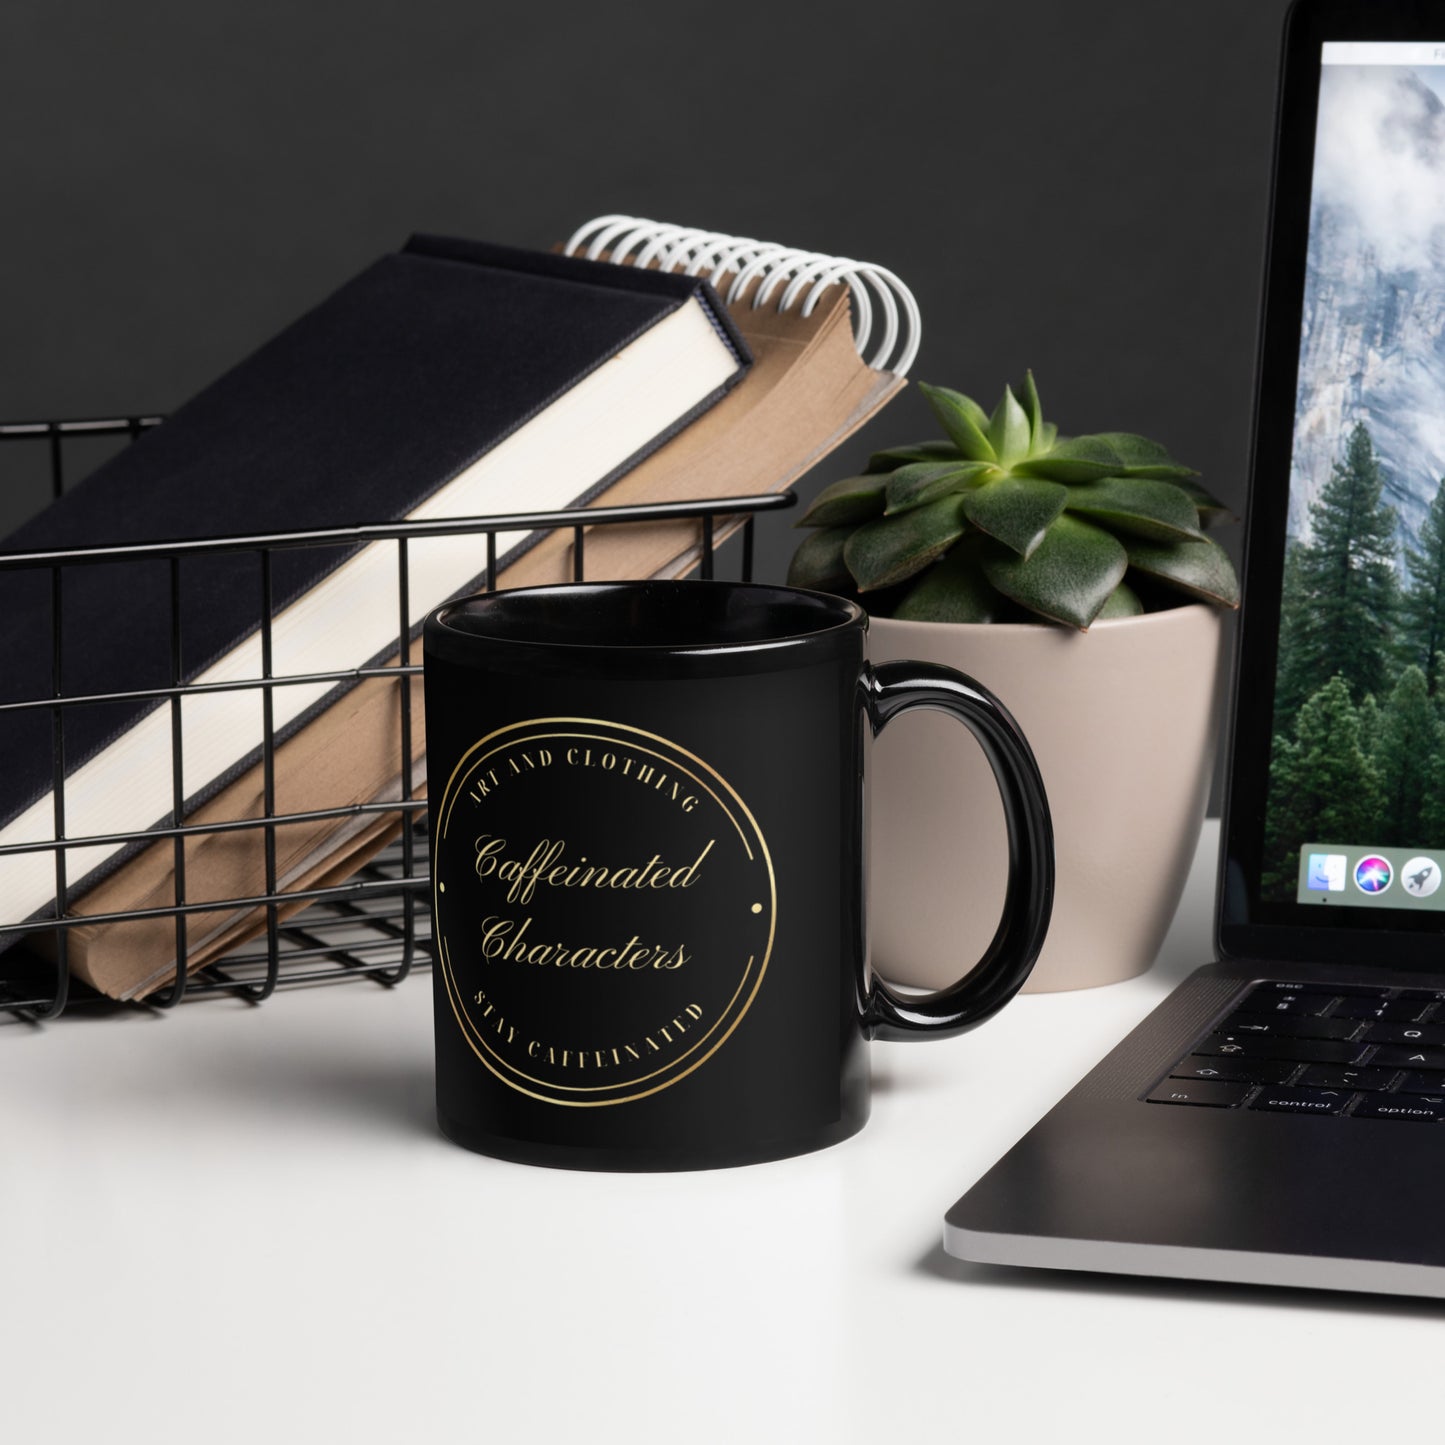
[[1302, 1101], [1429, 1034], [1417, 1083], [1206, 1092], [1404, 1056], [1399, 1106], [1286, 1027], [1331, 1076], [1321, 990], [1292, 1004], [1248, 1071], [1265, 1046], [1400, 1010]]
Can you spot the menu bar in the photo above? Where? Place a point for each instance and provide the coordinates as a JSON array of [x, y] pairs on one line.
[[1383, 52]]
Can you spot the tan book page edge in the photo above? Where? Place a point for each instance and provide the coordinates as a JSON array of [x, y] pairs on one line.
[[349, 755], [330, 868], [680, 552]]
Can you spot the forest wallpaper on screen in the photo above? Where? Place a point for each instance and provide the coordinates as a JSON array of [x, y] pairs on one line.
[[1358, 754]]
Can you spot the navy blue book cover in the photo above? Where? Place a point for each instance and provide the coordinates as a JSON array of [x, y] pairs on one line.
[[356, 412]]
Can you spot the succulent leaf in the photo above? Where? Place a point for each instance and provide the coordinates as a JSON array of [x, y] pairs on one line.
[[1137, 505], [1009, 432], [1123, 602], [1201, 568], [893, 549], [1143, 458], [963, 419], [1016, 511], [1048, 435], [953, 590], [818, 563], [1070, 576], [1034, 407], [1211, 510], [922, 482], [1076, 459], [975, 413], [891, 457], [854, 499]]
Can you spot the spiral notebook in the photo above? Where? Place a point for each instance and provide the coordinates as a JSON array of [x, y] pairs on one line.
[[831, 340]]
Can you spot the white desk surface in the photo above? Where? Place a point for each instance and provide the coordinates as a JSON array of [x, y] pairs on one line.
[[236, 1224]]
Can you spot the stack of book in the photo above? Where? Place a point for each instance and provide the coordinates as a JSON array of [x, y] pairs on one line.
[[449, 380]]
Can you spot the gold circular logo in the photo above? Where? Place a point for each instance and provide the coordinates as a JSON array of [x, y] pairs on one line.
[[604, 906]]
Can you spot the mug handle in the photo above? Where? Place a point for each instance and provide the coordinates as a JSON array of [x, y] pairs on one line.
[[898, 687]]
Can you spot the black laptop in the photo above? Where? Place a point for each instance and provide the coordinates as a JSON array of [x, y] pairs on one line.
[[1280, 1118]]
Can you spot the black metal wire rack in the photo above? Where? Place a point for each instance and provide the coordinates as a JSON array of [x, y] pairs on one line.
[[375, 925]]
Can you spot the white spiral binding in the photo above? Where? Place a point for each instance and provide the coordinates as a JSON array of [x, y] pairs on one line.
[[634, 241]]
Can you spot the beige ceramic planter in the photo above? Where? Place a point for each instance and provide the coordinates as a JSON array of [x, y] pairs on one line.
[[1122, 721]]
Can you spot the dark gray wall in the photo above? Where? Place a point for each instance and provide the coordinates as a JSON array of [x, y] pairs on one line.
[[1074, 186]]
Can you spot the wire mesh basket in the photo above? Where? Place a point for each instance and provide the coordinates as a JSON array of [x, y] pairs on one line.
[[373, 925]]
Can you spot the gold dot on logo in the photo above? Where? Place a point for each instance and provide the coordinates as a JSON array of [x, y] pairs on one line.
[[441, 887], [757, 907]]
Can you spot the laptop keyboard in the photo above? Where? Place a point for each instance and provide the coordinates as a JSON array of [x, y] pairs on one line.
[[1300, 1048]]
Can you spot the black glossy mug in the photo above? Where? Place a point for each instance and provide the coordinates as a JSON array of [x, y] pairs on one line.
[[646, 805]]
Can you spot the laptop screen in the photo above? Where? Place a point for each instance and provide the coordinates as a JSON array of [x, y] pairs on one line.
[[1354, 813]]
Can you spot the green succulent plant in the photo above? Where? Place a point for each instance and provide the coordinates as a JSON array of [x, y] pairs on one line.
[[1006, 520]]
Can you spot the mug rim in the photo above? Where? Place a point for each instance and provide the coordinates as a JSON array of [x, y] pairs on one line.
[[846, 616]]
